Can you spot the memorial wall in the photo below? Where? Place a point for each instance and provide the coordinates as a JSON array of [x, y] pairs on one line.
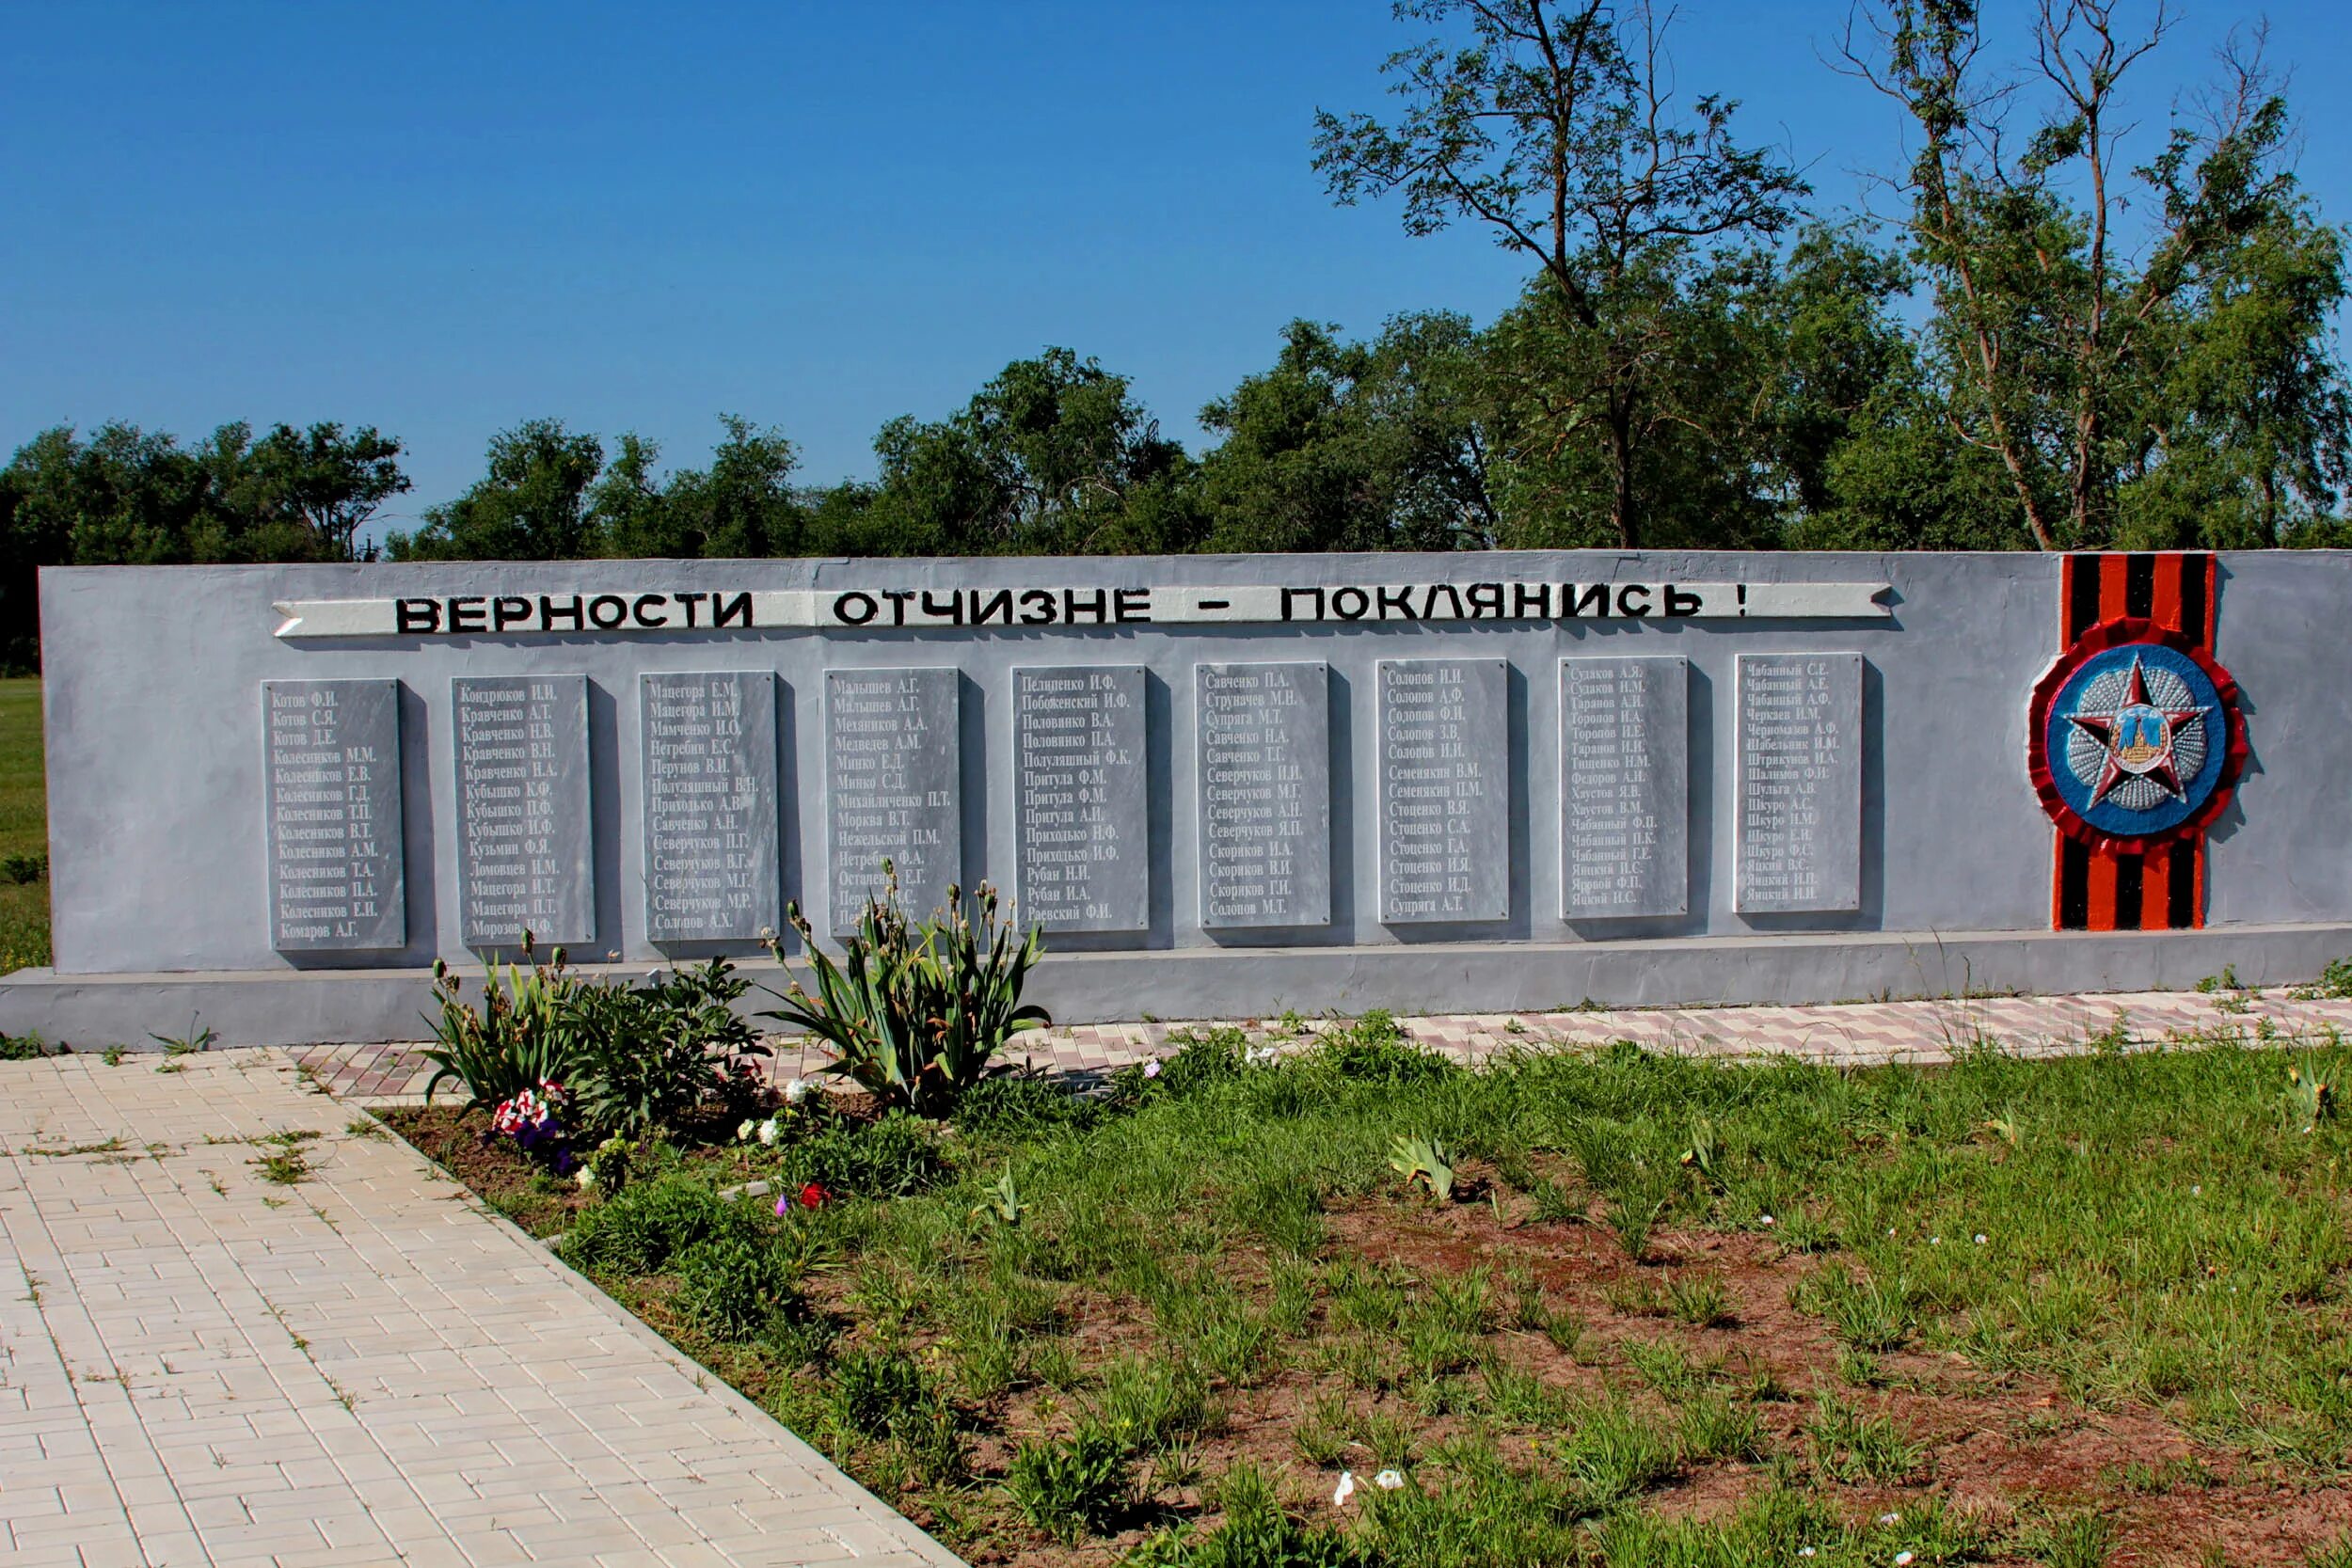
[[1220, 784]]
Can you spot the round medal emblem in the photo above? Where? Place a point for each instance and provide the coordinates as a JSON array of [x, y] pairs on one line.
[[2136, 737]]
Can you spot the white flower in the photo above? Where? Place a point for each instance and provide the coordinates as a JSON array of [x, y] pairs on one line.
[[767, 1131], [1805, 1551], [587, 1180], [1890, 1519], [1388, 1481], [1345, 1489], [2198, 1190], [743, 1132], [1766, 1222], [795, 1090], [1979, 1238], [1151, 1070], [1904, 1559]]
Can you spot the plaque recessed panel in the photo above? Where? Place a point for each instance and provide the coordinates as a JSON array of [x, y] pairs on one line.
[[1800, 845], [1625, 765], [708, 749], [1264, 748], [892, 788], [330, 795], [524, 832], [1079, 796], [1445, 797]]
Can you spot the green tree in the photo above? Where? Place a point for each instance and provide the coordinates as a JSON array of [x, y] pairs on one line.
[[742, 506], [1353, 446], [1551, 125], [1052, 457], [532, 505], [2179, 390], [314, 490]]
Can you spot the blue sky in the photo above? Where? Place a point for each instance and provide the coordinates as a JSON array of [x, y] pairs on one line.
[[443, 218]]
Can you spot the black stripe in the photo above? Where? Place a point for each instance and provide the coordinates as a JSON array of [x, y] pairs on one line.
[[2193, 570], [2074, 885], [2129, 872], [2179, 900], [2140, 585], [2082, 609]]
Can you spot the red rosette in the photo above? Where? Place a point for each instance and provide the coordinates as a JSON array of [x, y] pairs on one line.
[[2120, 633]]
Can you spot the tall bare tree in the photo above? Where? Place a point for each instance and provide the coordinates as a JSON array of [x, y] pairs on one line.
[[2058, 332], [1557, 127]]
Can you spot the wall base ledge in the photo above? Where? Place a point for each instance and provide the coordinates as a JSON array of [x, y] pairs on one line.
[[353, 1006]]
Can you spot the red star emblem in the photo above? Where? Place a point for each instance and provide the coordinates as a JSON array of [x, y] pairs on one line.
[[2138, 739]]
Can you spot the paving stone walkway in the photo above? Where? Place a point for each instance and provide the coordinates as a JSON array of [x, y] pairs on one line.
[[1853, 1034], [198, 1366]]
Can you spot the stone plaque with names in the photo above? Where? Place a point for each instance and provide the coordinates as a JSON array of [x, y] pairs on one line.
[[1079, 793], [708, 749], [524, 833], [330, 794], [1625, 764], [1263, 736], [1445, 796], [894, 788], [1800, 843]]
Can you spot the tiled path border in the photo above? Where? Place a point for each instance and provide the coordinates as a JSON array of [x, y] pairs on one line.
[[1851, 1034]]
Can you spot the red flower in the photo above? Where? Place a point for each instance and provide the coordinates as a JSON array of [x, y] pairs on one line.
[[815, 1197]]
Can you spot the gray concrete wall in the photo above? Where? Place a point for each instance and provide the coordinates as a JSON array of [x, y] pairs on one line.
[[153, 716]]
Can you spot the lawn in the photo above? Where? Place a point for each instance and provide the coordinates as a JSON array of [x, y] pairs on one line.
[[1621, 1308], [23, 829]]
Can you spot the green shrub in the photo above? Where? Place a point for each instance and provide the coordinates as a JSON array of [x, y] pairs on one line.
[[1153, 1404], [648, 1056], [649, 1223], [1074, 1488], [916, 1013], [524, 1034], [1851, 1445], [1198, 1061], [1019, 1105], [1256, 1533], [732, 1287], [891, 1157], [875, 1393], [1373, 1049], [23, 1048]]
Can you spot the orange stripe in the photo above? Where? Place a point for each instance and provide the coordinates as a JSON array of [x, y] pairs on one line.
[[2167, 611], [2112, 568], [2155, 883], [2101, 891], [2197, 914]]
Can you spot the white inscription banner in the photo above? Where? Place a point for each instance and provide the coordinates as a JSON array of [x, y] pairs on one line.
[[609, 613]]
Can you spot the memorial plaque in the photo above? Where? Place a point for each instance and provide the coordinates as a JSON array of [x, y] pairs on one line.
[[330, 800], [1624, 787], [894, 787], [1800, 846], [524, 833], [1445, 790], [1079, 791], [709, 756], [1264, 748]]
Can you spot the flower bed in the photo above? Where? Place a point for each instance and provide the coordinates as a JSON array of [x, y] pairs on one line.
[[1648, 1311]]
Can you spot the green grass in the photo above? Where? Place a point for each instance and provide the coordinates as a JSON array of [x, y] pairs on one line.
[[1228, 1250], [23, 825]]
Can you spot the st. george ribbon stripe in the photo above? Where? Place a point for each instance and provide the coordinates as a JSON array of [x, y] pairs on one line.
[[615, 612]]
